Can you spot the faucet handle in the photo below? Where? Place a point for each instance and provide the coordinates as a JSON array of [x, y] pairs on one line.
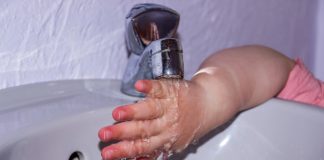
[[155, 54], [148, 22], [166, 58]]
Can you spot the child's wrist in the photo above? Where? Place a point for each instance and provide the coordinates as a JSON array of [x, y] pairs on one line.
[[218, 96]]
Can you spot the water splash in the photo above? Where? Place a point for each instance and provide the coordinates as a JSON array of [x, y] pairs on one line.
[[177, 83], [166, 155]]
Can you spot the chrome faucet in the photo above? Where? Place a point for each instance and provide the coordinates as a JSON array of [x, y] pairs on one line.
[[155, 53]]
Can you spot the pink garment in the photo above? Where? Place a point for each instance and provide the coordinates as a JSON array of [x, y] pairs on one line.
[[302, 86]]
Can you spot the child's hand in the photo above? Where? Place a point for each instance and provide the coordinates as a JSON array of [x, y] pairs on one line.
[[168, 119], [177, 112]]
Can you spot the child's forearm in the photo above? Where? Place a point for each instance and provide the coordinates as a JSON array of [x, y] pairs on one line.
[[246, 76]]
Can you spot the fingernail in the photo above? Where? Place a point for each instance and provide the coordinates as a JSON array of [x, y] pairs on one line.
[[105, 134], [119, 115], [106, 154], [139, 85]]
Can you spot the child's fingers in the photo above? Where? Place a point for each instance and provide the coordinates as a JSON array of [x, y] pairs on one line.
[[143, 110], [152, 88], [131, 130], [130, 149]]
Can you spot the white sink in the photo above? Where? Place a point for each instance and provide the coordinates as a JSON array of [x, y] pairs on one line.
[[56, 119]]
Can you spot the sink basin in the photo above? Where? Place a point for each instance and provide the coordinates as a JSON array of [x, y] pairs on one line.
[[60, 120]]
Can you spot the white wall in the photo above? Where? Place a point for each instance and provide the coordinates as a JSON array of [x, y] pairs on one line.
[[319, 54], [42, 40]]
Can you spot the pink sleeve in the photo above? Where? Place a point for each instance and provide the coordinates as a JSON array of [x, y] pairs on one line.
[[302, 86]]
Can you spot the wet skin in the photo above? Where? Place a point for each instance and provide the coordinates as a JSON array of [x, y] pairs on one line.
[[174, 113], [156, 124]]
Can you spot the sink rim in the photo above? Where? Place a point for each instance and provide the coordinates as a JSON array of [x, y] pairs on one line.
[[20, 110], [79, 85]]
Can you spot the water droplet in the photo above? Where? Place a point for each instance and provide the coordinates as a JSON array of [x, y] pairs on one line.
[[147, 140], [179, 150], [194, 142], [166, 155], [167, 146], [186, 85]]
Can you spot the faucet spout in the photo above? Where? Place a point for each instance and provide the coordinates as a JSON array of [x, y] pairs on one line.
[[154, 53]]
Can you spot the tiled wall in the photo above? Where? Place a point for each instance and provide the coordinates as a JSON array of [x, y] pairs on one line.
[[43, 40]]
